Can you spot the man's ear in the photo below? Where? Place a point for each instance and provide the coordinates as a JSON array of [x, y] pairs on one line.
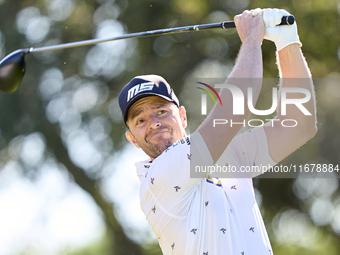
[[131, 138], [183, 116]]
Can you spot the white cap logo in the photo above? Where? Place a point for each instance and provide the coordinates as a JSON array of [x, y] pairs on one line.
[[139, 88]]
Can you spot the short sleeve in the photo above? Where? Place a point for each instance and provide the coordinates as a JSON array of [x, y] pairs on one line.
[[248, 153]]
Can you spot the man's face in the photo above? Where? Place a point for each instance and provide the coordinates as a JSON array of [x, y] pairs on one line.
[[155, 124]]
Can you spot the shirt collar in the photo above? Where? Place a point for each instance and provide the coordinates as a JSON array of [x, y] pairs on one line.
[[142, 167]]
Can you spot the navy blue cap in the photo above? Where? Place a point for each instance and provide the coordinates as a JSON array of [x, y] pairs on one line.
[[143, 86]]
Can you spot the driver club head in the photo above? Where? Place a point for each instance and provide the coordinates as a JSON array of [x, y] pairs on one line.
[[12, 70]]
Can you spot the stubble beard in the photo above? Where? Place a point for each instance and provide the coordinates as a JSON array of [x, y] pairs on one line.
[[154, 150]]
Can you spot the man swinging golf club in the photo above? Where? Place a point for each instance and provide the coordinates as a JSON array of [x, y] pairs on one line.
[[210, 215]]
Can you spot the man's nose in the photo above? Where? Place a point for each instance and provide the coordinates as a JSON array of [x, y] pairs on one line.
[[154, 122]]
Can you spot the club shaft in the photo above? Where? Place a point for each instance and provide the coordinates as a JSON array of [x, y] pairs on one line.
[[286, 20], [223, 25]]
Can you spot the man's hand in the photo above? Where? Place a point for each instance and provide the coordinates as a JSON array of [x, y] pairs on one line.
[[250, 26], [282, 36]]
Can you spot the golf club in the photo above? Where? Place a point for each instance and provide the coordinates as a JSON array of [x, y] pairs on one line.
[[13, 66]]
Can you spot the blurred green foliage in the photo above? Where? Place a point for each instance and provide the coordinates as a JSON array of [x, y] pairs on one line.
[[175, 57]]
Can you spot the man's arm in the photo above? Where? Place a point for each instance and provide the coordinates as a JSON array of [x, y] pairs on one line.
[[282, 141], [248, 65]]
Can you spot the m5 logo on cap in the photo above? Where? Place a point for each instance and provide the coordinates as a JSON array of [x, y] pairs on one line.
[[139, 88]]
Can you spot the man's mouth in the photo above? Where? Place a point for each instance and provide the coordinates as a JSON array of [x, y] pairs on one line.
[[155, 135]]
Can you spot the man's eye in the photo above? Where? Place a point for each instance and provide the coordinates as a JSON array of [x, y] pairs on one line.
[[161, 112], [140, 121]]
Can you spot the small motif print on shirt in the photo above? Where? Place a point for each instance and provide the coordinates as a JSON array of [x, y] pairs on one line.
[[194, 230]]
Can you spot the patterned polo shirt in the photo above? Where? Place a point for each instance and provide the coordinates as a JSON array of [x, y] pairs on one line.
[[206, 216]]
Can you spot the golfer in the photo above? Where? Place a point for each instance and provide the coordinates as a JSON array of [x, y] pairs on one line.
[[211, 216]]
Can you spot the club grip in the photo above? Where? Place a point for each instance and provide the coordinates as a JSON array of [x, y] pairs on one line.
[[287, 20]]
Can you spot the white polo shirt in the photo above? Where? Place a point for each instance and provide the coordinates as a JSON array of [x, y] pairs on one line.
[[206, 216]]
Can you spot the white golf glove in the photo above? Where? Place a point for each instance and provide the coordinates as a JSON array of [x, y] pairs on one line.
[[282, 36]]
